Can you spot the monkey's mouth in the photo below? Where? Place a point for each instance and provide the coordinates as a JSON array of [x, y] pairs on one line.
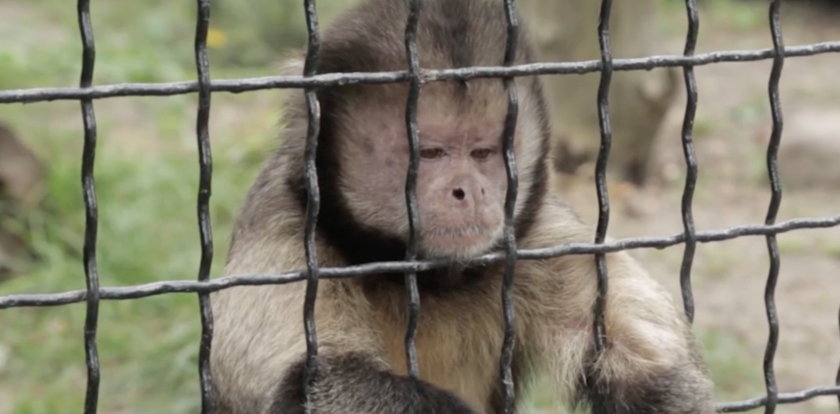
[[465, 231], [457, 242]]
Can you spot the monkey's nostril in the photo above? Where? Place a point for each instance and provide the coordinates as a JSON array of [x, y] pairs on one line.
[[458, 194]]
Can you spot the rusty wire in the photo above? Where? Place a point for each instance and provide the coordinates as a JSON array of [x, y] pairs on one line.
[[86, 93]]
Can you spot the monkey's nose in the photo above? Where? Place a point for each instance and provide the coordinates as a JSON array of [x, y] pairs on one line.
[[459, 194]]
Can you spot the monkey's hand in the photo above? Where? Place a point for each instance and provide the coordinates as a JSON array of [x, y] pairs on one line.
[[353, 383]]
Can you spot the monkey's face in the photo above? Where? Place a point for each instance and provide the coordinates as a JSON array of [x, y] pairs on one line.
[[461, 179], [460, 188], [461, 184]]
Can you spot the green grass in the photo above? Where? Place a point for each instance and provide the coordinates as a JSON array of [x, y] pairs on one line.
[[146, 180], [738, 16], [147, 232], [736, 373]]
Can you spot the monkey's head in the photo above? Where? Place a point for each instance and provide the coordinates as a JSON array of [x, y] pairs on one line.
[[461, 180], [364, 154]]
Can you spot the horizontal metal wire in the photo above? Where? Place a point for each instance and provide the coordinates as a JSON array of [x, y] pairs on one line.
[[782, 398], [192, 286], [427, 75]]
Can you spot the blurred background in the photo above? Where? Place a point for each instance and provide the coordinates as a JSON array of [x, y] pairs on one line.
[[147, 174]]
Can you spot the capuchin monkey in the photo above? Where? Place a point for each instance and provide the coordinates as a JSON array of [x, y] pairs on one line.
[[650, 363]]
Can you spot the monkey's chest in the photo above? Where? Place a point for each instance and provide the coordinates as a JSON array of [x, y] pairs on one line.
[[456, 352]]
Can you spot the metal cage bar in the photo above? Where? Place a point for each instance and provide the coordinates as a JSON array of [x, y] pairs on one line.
[[412, 133], [313, 201], [91, 211], [782, 398], [226, 282], [837, 378], [430, 75], [773, 209], [511, 192], [601, 171], [309, 80], [690, 161], [205, 167]]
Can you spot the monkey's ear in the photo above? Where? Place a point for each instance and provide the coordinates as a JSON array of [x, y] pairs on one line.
[[293, 63], [293, 102]]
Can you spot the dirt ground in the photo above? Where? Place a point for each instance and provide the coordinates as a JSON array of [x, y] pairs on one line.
[[731, 131]]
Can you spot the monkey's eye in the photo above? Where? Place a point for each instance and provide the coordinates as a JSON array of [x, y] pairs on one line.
[[481, 153], [432, 153]]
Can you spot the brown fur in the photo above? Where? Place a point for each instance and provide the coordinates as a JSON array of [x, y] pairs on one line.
[[259, 336]]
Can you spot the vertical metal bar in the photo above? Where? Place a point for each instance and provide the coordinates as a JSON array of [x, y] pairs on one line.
[[91, 210], [837, 378], [601, 169], [205, 167], [690, 161], [313, 202], [508, 136], [773, 209], [411, 184]]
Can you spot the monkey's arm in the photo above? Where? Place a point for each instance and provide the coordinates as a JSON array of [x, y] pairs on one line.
[[354, 383], [650, 363]]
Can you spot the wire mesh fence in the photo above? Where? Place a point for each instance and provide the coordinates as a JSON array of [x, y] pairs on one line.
[[416, 76]]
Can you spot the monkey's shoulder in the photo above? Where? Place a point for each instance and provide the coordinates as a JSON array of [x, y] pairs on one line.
[[555, 223]]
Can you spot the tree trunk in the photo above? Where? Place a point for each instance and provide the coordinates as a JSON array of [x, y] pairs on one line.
[[566, 30]]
